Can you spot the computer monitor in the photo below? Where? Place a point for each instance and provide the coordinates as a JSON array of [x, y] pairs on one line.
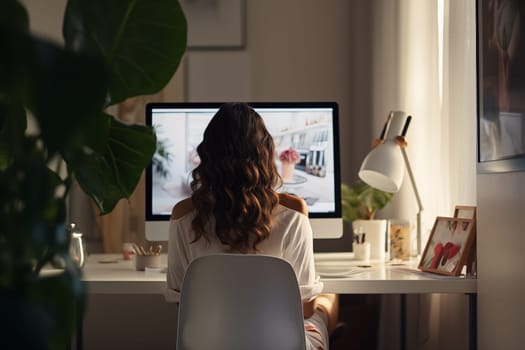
[[310, 128]]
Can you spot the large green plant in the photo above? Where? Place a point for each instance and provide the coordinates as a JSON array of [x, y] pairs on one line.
[[362, 201], [113, 50]]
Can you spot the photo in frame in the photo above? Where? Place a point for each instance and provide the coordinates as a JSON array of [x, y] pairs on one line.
[[449, 246], [501, 85]]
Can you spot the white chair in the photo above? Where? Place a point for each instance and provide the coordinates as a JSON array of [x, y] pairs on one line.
[[240, 302]]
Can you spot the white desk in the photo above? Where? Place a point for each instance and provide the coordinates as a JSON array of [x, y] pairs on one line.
[[120, 277], [110, 274]]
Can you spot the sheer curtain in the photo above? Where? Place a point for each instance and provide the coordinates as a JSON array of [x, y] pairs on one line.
[[424, 62]]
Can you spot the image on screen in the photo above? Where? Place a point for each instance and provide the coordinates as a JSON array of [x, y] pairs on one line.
[[304, 142]]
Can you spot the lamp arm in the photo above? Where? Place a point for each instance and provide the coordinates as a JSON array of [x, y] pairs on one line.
[[418, 198], [386, 126]]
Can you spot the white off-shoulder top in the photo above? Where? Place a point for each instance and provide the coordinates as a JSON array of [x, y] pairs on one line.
[[291, 239]]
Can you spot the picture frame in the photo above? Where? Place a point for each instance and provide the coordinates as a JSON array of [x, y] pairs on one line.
[[465, 212], [449, 246], [469, 212], [500, 86]]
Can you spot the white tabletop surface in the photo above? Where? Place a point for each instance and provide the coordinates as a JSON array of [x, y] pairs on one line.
[[340, 273]]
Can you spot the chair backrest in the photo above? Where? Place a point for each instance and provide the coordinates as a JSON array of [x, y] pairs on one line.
[[239, 302]]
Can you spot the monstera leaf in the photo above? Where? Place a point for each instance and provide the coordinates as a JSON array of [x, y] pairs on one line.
[[108, 175], [142, 41]]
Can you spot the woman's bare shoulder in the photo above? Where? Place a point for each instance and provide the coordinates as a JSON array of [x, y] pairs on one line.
[[293, 202], [181, 208]]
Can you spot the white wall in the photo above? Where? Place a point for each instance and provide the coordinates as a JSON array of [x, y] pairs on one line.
[[501, 242], [296, 50]]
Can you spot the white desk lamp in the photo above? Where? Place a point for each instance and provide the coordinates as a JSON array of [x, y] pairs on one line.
[[383, 168]]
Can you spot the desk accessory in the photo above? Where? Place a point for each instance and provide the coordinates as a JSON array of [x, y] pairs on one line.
[[147, 258], [361, 250], [360, 203], [449, 246], [469, 212], [400, 240], [343, 272], [360, 247], [375, 232], [77, 247], [383, 168], [465, 212], [127, 250], [142, 262]]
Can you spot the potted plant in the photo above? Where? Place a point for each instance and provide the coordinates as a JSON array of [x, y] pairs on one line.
[[113, 50], [360, 203]]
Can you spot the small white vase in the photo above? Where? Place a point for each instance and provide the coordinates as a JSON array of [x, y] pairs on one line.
[[375, 233]]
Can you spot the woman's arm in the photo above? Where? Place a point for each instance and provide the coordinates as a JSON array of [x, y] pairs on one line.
[[308, 308]]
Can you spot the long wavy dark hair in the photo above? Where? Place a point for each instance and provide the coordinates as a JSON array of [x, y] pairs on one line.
[[236, 179]]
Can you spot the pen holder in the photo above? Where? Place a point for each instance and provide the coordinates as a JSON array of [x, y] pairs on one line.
[[375, 232], [361, 250], [143, 261]]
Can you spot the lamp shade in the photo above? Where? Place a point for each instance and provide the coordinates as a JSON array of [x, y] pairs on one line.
[[384, 167]]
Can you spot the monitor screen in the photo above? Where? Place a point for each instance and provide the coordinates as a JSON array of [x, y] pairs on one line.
[[306, 131]]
